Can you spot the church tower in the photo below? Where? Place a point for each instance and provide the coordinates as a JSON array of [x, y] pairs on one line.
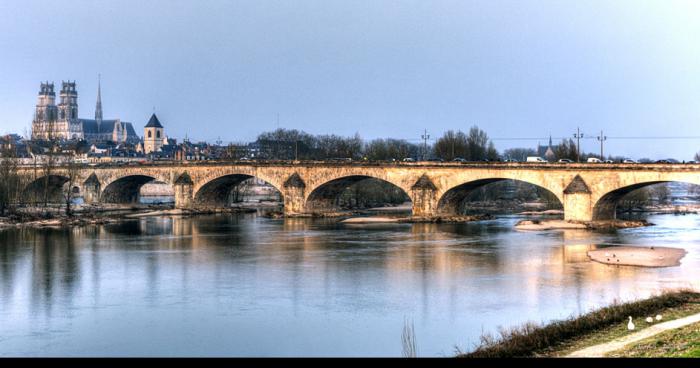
[[45, 114], [68, 112], [153, 134], [98, 105]]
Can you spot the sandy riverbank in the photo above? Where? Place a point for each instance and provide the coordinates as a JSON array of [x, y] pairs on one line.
[[638, 256], [543, 213], [537, 225], [370, 220], [416, 219]]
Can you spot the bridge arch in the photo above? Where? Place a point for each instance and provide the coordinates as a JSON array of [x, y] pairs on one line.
[[218, 190], [326, 196], [605, 207], [46, 188], [125, 189], [453, 199]]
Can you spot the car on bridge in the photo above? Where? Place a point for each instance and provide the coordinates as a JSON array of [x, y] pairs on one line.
[[667, 161], [408, 159], [608, 161], [629, 161], [510, 160], [535, 159], [594, 160], [565, 161], [459, 159]]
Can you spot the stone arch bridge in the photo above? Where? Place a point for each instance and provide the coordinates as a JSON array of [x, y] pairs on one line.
[[586, 191]]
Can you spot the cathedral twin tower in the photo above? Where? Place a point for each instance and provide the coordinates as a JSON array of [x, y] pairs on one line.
[[52, 122]]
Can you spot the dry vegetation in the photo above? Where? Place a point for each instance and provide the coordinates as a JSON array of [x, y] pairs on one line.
[[530, 339]]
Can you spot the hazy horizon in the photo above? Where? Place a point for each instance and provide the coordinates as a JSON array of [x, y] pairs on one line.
[[228, 69]]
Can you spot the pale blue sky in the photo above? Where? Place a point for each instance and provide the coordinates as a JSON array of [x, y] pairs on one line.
[[380, 68]]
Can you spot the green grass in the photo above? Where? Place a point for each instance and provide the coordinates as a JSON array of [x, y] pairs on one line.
[[683, 342], [620, 329], [601, 325]]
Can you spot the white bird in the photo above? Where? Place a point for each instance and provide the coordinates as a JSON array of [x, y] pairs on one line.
[[658, 317], [650, 320], [630, 325]]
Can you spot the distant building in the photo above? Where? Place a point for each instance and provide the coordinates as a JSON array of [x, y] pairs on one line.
[[61, 122], [547, 152], [153, 135]]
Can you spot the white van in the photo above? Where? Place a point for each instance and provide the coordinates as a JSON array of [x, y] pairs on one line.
[[594, 160], [535, 159]]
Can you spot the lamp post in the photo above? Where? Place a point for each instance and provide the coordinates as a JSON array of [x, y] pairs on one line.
[[578, 135], [602, 139], [425, 138]]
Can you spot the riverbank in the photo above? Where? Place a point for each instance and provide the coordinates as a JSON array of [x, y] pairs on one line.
[[682, 342], [97, 215], [638, 256], [539, 225], [416, 219], [561, 338]]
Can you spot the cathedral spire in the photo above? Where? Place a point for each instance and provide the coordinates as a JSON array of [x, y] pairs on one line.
[[98, 105]]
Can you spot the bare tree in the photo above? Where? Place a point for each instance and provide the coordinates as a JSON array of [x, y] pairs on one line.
[[661, 193], [11, 183], [49, 162], [71, 173]]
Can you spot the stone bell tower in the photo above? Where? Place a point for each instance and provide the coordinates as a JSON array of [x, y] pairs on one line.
[[153, 134], [45, 114], [68, 111]]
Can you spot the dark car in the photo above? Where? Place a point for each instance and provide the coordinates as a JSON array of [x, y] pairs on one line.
[[667, 161]]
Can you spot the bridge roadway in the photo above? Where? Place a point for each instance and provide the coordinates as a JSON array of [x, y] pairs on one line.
[[586, 191]]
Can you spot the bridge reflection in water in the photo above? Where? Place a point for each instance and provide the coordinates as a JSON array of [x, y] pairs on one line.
[[246, 285]]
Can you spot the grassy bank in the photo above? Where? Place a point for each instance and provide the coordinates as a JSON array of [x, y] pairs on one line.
[[682, 343], [604, 324]]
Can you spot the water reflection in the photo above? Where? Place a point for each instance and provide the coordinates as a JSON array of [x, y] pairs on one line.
[[247, 285]]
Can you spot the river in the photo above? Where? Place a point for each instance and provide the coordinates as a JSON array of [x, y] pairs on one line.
[[245, 285]]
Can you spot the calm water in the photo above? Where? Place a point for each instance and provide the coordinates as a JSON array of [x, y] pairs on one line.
[[242, 285]]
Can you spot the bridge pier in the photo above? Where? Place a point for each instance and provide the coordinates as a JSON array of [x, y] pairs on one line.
[[293, 194], [184, 191], [577, 201], [91, 189], [424, 197], [578, 207], [293, 203]]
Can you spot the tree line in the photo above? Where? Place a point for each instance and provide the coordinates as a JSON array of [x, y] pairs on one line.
[[288, 144]]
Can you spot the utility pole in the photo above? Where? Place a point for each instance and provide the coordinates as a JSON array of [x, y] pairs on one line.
[[602, 139], [578, 135], [425, 138]]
